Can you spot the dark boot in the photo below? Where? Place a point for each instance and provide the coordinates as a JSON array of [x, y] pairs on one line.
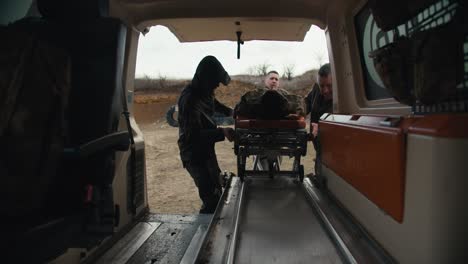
[[207, 210], [209, 206]]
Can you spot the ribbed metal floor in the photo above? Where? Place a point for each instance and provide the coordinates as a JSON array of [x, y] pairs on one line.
[[158, 238]]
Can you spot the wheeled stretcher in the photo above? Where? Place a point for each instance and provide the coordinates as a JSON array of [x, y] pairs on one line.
[[270, 139]]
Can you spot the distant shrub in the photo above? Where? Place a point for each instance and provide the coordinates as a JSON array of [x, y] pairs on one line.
[[160, 84], [300, 84]]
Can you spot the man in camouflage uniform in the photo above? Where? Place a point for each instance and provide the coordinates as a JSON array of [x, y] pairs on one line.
[[270, 103]]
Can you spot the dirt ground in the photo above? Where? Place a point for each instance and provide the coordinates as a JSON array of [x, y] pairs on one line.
[[170, 188]]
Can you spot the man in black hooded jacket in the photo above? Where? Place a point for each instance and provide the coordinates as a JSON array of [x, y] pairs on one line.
[[198, 132]]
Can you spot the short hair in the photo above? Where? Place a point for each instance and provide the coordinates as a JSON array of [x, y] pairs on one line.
[[275, 72], [325, 70]]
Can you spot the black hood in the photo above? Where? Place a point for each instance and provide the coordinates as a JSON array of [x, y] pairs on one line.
[[208, 75]]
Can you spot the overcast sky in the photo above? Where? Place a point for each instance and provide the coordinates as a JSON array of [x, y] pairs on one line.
[[161, 54]]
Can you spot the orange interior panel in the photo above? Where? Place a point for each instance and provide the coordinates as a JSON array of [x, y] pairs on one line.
[[256, 123], [369, 156]]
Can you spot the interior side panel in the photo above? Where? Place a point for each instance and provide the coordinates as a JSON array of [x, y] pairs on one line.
[[434, 216], [369, 156]]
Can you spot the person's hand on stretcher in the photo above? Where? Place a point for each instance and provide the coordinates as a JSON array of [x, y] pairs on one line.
[[313, 126], [314, 131]]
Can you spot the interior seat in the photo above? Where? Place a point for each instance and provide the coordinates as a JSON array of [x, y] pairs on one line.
[[80, 210]]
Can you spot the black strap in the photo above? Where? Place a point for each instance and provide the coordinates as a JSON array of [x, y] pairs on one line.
[[126, 114]]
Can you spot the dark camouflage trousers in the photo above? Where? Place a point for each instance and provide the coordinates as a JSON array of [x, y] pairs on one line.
[[207, 177]]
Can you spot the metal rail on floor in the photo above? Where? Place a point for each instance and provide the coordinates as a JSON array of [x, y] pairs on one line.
[[263, 220]]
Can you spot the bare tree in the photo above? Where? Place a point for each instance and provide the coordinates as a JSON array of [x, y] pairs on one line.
[[252, 70], [259, 69], [144, 83], [288, 71], [162, 81], [263, 69]]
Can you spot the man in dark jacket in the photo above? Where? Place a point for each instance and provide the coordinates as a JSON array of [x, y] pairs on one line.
[[318, 102], [198, 132], [320, 99]]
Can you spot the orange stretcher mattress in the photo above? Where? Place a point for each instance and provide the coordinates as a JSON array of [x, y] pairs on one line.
[[294, 122]]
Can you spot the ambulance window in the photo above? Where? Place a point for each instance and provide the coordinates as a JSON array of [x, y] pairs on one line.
[[370, 38]]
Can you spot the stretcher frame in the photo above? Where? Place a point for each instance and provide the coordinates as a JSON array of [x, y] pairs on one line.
[[270, 139]]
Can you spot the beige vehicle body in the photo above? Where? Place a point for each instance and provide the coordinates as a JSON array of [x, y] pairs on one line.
[[403, 182]]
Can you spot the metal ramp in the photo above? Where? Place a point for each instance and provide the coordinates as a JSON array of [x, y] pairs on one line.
[[282, 220], [279, 225]]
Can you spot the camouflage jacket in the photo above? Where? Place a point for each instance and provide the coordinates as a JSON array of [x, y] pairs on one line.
[[262, 103]]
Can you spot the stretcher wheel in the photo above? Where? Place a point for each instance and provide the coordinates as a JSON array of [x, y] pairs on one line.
[[271, 169], [241, 175], [240, 168]]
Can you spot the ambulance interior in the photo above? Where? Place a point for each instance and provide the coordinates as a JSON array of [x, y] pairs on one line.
[[393, 152]]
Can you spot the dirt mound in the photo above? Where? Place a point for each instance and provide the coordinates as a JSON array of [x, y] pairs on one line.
[[150, 107], [231, 94], [152, 104], [154, 98]]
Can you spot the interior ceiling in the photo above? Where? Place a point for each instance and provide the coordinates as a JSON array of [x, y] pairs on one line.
[[206, 20], [203, 29]]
